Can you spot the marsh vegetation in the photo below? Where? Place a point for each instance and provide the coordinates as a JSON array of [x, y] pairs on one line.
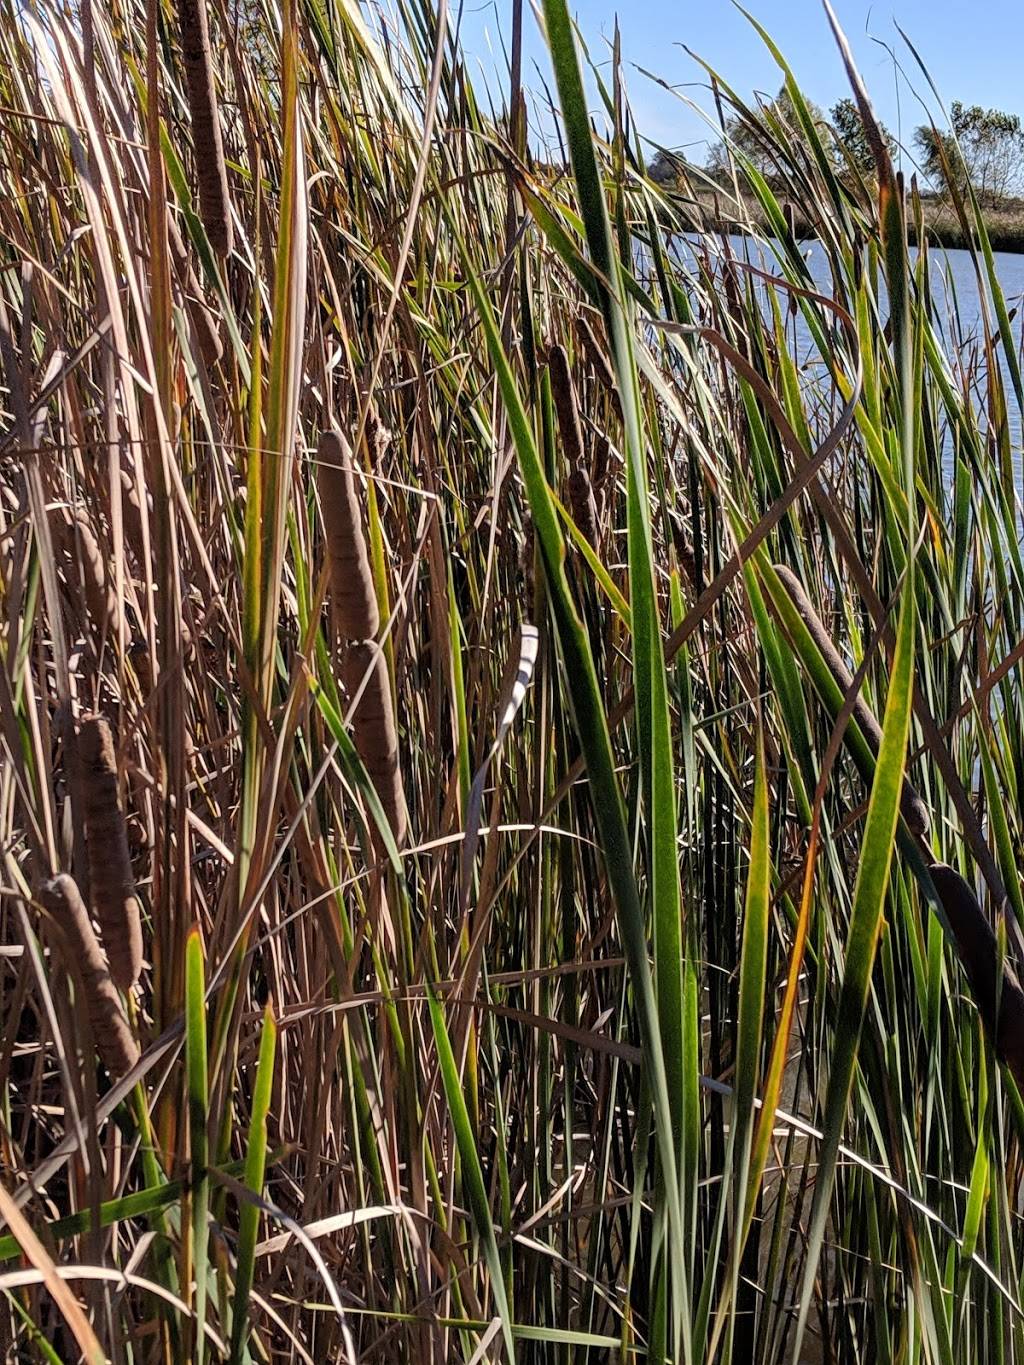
[[512, 737]]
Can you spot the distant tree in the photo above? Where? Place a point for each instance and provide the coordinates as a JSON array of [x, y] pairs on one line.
[[665, 167], [985, 146], [777, 123], [852, 141]]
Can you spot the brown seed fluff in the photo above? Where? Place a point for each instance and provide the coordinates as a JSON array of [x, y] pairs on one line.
[[374, 732], [211, 168], [85, 960], [110, 871], [354, 600], [914, 810], [978, 951]]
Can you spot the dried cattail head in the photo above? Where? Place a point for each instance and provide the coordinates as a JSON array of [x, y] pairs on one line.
[[131, 513], [111, 884], [566, 409], [84, 957], [374, 732], [978, 951], [685, 557], [582, 506], [138, 654], [378, 440], [88, 567], [914, 810], [353, 597], [211, 168], [602, 463], [205, 327]]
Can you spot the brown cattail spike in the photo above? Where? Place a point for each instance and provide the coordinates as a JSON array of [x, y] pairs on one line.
[[582, 504], [978, 951], [211, 169], [374, 729], [110, 871], [913, 809], [87, 567], [354, 600], [111, 1034]]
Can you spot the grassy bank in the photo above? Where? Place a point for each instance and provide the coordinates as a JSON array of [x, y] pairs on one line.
[[523, 940]]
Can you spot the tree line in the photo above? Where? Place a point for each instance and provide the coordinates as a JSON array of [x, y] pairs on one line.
[[983, 146]]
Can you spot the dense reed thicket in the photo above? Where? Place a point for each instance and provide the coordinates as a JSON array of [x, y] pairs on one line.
[[481, 629]]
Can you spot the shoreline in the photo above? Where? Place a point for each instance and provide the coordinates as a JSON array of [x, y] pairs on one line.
[[941, 227]]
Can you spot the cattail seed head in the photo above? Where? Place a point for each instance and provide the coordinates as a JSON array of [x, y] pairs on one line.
[[117, 1048], [353, 597], [211, 168], [685, 557], [374, 731], [88, 566], [110, 872], [582, 505]]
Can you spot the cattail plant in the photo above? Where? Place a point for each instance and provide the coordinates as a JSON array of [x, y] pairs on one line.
[[211, 169], [913, 808], [582, 504], [111, 883], [601, 466], [375, 735], [685, 555], [87, 963], [357, 621], [353, 597], [87, 565]]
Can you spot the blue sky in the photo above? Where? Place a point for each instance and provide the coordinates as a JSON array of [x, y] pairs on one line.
[[972, 49]]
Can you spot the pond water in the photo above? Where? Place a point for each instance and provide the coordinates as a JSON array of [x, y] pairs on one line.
[[954, 284]]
